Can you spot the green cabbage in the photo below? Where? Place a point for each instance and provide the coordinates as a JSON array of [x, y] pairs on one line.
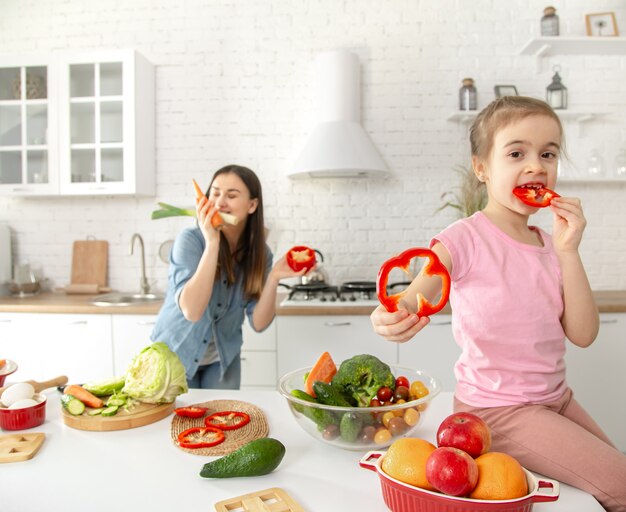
[[156, 375], [105, 387]]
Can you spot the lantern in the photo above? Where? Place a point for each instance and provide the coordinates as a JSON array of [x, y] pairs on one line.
[[556, 92]]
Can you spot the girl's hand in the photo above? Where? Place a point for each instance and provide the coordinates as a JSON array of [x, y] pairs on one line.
[[282, 270], [569, 223], [399, 326], [205, 210]]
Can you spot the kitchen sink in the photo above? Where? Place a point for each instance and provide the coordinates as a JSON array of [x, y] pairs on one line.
[[126, 299]]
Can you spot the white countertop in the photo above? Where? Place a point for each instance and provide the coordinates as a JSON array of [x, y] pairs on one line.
[[141, 469]]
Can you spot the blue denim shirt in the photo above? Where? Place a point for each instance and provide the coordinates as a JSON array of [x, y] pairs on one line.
[[222, 319]]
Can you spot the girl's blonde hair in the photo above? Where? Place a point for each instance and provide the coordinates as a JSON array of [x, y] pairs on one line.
[[500, 113]]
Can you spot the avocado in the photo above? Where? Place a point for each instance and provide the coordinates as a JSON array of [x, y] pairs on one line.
[[256, 458]]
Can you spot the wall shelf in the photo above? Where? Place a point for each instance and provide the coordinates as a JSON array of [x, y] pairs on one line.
[[578, 116]]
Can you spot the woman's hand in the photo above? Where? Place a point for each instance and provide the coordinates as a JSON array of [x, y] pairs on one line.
[[399, 326], [569, 224], [205, 210], [282, 270]]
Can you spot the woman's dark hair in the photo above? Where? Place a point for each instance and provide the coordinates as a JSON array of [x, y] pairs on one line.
[[250, 254]]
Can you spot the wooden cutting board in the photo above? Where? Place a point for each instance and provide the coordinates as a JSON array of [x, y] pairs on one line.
[[89, 262], [19, 447], [268, 500], [141, 414]]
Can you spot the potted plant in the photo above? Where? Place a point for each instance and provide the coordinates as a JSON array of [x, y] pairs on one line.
[[469, 197]]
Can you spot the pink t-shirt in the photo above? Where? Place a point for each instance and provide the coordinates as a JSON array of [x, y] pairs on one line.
[[507, 304]]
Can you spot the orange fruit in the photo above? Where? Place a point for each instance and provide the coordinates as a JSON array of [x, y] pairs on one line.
[[500, 477], [405, 460]]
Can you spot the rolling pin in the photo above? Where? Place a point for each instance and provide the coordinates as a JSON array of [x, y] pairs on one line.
[[40, 386]]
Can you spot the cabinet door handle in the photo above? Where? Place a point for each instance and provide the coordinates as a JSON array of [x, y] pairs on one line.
[[609, 321], [448, 322], [146, 322], [5, 320], [337, 324], [243, 358], [78, 322]]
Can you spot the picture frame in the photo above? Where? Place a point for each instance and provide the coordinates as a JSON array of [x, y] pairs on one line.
[[505, 90], [602, 24]]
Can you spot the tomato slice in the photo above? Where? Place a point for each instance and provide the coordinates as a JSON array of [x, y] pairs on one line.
[[539, 197], [191, 411], [200, 437], [227, 420]]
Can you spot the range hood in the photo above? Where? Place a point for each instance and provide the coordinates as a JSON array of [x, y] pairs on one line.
[[338, 146]]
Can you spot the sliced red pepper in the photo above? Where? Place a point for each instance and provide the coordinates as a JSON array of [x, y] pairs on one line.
[[300, 257], [191, 411], [434, 267], [200, 437], [227, 420], [539, 197]]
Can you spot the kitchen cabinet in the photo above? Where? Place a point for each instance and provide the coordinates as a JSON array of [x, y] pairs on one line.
[[28, 148], [596, 375], [258, 358], [433, 350], [77, 123], [301, 339], [47, 345], [129, 334]]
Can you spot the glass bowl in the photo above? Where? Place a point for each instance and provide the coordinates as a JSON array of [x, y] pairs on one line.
[[8, 368], [350, 428]]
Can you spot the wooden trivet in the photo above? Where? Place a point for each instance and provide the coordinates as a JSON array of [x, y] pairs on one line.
[[19, 447], [274, 500], [256, 429]]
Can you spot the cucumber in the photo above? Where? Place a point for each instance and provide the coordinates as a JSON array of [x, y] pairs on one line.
[[330, 395], [72, 405], [321, 417], [116, 400], [110, 410], [95, 412]]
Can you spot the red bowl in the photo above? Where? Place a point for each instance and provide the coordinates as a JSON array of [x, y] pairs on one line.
[[401, 497], [7, 369], [22, 419]]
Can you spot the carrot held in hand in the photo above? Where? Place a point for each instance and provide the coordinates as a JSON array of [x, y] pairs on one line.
[[218, 219], [86, 397]]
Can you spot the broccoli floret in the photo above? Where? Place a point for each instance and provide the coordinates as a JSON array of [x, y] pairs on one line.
[[361, 376]]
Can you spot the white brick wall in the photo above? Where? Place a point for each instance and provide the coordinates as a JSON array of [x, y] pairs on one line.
[[234, 84]]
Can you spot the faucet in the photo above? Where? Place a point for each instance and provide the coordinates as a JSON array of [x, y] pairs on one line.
[[145, 287]]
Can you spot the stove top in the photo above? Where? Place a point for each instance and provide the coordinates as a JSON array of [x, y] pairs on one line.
[[361, 293]]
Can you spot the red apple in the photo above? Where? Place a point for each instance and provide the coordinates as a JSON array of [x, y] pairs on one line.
[[451, 471], [465, 431]]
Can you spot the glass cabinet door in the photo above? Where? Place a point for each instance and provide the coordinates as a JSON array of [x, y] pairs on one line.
[[24, 119], [96, 113]]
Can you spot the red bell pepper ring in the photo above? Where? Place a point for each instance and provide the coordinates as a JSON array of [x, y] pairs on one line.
[[434, 267], [300, 257], [539, 197], [191, 411], [200, 437], [224, 420]]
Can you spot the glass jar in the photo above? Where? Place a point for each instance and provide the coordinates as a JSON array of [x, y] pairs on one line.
[[620, 165], [595, 165], [549, 22], [468, 98]]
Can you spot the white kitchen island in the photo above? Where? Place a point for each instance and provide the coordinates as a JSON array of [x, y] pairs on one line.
[[141, 469]]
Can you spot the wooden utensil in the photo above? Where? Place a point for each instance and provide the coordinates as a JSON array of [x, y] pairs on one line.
[[89, 262], [19, 447], [268, 500], [138, 416], [40, 386]]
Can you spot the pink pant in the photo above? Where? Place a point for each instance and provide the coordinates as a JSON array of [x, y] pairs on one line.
[[561, 441]]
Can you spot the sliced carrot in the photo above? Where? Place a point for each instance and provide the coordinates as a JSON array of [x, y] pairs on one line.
[[86, 397], [323, 370], [2, 362]]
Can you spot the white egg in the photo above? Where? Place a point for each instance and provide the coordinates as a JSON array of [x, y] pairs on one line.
[[19, 391], [21, 404]]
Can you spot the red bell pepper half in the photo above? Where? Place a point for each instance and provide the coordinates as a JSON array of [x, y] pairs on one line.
[[227, 420], [191, 411], [200, 437], [539, 196], [434, 267], [300, 257]]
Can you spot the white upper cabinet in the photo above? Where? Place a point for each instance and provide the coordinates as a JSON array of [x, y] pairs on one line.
[[28, 147], [91, 134]]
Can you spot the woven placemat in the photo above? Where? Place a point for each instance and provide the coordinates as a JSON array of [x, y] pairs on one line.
[[256, 429]]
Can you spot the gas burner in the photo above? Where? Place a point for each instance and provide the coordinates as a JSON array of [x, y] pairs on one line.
[[313, 291], [357, 290]]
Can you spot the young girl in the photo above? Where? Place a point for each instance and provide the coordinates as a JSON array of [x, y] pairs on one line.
[[217, 275], [516, 294]]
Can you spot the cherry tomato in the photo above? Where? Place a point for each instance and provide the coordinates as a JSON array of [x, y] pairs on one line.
[[402, 381], [374, 402], [401, 393], [397, 426], [384, 394], [367, 434], [330, 432]]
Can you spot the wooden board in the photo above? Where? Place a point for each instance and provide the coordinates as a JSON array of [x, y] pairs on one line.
[[268, 500], [89, 262], [141, 414], [19, 447]]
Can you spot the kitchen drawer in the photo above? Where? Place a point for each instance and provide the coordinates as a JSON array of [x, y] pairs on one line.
[[258, 369]]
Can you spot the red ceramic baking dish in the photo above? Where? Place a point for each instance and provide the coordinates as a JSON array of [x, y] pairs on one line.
[[401, 497], [28, 417], [7, 369]]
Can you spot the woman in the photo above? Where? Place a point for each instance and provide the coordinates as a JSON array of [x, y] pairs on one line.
[[216, 275]]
